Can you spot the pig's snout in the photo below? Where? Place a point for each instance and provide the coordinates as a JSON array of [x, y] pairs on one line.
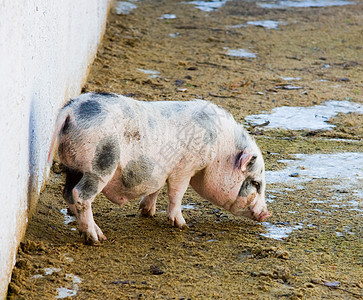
[[262, 216]]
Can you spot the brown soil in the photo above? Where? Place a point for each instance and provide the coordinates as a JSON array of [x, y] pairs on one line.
[[219, 256]]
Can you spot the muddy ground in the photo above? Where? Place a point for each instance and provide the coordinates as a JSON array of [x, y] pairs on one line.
[[219, 256]]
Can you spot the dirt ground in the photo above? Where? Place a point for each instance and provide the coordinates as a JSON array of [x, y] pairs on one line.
[[219, 256]]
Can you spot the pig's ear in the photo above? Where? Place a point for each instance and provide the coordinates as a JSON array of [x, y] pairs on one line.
[[243, 159]]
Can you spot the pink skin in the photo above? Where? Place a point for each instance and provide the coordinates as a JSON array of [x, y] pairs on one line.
[[220, 184], [214, 164]]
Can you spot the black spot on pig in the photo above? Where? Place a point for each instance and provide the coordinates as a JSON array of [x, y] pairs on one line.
[[106, 156], [89, 109], [206, 120], [210, 136], [104, 97], [240, 139], [66, 126], [70, 102], [88, 186], [72, 179], [252, 164], [137, 171], [248, 186], [91, 113], [105, 94]]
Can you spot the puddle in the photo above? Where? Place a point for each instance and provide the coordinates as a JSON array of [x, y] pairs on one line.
[[65, 292], [167, 17], [151, 73], [67, 218], [303, 3], [123, 7], [299, 118], [207, 5], [279, 231], [240, 53]]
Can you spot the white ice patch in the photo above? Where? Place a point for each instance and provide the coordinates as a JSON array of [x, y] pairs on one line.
[[299, 118], [302, 3], [346, 168], [240, 53], [269, 24], [152, 73], [167, 17], [188, 206], [174, 35], [67, 218], [123, 7], [50, 271], [65, 292], [207, 5], [280, 231], [290, 78], [47, 271]]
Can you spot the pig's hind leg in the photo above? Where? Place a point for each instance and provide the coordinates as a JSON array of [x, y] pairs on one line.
[[72, 178], [83, 194], [148, 204]]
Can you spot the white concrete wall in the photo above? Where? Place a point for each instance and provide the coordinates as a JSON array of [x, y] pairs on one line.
[[46, 48]]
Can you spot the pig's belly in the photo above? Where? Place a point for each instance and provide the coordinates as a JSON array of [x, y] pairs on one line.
[[118, 193]]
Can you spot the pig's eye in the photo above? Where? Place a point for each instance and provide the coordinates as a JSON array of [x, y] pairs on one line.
[[256, 184]]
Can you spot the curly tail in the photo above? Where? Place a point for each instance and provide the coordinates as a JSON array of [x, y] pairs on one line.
[[61, 119]]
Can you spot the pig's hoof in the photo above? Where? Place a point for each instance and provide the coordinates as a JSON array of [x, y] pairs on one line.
[[178, 222], [91, 238], [147, 210]]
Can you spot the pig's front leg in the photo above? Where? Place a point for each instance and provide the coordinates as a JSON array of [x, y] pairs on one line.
[[176, 190], [148, 204], [83, 194]]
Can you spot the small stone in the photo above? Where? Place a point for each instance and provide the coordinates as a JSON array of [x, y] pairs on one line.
[[282, 254], [179, 82], [332, 283], [155, 270], [294, 175], [315, 280]]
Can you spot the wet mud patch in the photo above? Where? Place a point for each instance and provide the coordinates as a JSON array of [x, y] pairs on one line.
[[309, 249]]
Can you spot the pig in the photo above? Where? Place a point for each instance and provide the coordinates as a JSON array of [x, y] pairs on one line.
[[129, 149]]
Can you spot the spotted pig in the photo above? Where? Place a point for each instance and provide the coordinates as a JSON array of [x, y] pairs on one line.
[[129, 149]]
